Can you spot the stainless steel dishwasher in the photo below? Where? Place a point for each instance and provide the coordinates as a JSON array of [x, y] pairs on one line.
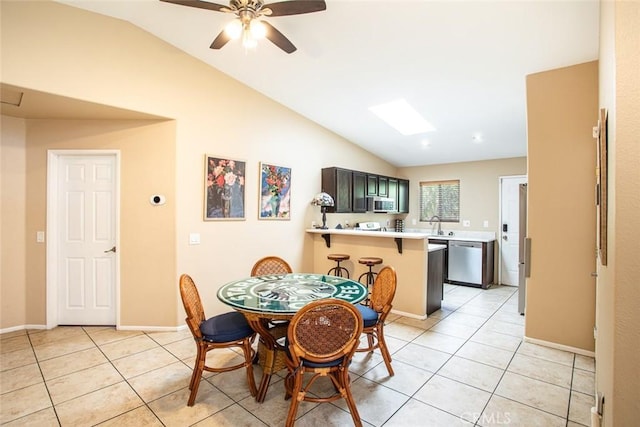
[[465, 262]]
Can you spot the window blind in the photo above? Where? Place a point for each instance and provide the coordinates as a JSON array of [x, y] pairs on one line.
[[440, 198]]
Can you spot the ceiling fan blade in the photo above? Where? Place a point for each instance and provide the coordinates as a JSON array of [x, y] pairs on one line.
[[278, 38], [220, 41], [296, 7], [200, 4]]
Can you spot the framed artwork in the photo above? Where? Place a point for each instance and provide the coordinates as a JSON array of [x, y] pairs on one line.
[[224, 188], [275, 192], [602, 185]]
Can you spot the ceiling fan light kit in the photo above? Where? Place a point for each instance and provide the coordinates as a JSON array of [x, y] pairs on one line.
[[249, 26]]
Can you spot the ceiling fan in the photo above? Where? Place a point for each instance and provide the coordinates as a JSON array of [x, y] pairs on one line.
[[248, 24]]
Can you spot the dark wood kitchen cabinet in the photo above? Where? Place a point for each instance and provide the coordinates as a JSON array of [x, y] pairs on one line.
[[338, 183], [359, 191], [403, 196], [435, 280], [372, 185], [392, 189], [383, 186], [445, 255], [350, 189]]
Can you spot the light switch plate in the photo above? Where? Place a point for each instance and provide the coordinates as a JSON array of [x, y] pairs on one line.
[[40, 236], [194, 238], [486, 224]]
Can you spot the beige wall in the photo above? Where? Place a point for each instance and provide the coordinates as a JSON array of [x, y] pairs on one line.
[[13, 307], [562, 109], [57, 49], [479, 190], [147, 233], [618, 293]]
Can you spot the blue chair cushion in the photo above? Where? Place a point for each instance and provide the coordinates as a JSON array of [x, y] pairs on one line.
[[369, 315], [309, 363], [225, 327]]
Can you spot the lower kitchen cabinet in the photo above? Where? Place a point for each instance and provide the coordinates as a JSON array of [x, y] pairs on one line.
[[435, 280], [446, 255]]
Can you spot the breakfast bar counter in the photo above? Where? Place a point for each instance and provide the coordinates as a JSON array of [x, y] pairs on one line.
[[409, 257]]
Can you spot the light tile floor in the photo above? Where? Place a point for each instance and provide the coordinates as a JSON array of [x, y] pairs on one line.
[[465, 365]]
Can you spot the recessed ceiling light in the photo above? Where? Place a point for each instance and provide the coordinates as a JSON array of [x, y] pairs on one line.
[[477, 138], [402, 117]]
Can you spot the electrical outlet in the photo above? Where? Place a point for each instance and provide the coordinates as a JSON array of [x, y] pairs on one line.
[[346, 223], [313, 224], [413, 221], [466, 223], [485, 224]]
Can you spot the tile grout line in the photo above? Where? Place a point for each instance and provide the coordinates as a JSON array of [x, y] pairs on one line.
[[451, 357]]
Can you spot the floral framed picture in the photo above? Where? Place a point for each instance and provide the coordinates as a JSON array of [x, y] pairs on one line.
[[275, 192], [224, 188]]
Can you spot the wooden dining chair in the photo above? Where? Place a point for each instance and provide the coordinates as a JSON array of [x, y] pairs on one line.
[[271, 265], [321, 339], [225, 330], [375, 313], [272, 359]]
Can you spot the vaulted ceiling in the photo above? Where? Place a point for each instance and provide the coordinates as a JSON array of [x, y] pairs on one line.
[[461, 64]]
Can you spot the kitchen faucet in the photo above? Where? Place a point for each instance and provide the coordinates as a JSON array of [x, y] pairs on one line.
[[439, 224]]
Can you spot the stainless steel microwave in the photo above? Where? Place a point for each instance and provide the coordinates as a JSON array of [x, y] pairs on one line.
[[381, 204]]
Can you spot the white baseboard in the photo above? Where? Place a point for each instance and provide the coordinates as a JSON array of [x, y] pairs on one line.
[[152, 328], [21, 328], [120, 328], [557, 346], [413, 316]]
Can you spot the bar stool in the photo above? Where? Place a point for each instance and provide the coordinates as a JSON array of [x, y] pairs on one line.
[[369, 276], [338, 269]]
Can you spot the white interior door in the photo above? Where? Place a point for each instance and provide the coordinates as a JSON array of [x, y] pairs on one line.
[[86, 239], [510, 228]]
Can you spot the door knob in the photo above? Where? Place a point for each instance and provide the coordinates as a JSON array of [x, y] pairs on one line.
[[504, 237], [113, 249]]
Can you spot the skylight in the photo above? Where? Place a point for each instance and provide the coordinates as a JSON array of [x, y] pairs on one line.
[[402, 117]]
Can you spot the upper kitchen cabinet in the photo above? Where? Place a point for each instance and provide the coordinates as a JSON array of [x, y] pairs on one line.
[[360, 191], [392, 189], [350, 189], [339, 184], [383, 186], [377, 185], [403, 196], [372, 185]]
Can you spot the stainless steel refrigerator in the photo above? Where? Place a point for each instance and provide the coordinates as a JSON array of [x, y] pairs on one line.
[[524, 251]]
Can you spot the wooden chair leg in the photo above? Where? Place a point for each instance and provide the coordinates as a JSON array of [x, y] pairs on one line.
[[194, 375], [246, 348], [386, 356], [295, 400], [197, 375], [348, 396], [264, 386]]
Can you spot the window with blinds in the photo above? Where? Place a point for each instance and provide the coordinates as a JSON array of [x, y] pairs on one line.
[[440, 198]]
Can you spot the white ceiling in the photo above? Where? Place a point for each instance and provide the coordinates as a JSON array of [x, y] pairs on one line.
[[461, 64]]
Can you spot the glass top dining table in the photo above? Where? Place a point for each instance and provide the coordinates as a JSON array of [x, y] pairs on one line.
[[285, 294], [264, 300]]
